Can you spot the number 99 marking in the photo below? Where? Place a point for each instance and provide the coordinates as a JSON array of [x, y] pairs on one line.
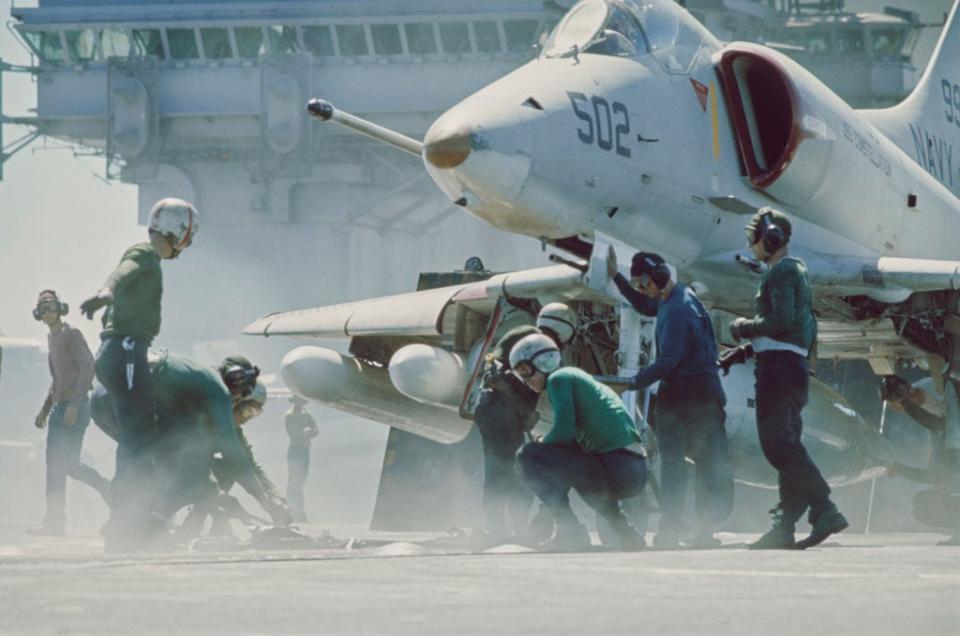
[[951, 97]]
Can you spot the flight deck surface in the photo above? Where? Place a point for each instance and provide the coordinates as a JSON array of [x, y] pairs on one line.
[[417, 584]]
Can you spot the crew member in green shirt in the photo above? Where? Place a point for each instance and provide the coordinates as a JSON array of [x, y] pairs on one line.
[[593, 447], [131, 321], [196, 419], [782, 335], [228, 472]]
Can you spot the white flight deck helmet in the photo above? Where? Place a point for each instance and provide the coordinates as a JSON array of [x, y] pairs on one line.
[[176, 220], [537, 349], [560, 319]]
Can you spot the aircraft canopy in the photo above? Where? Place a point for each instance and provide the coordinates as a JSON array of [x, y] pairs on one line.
[[629, 28]]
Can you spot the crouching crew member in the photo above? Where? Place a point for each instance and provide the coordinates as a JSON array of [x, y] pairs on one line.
[[130, 323], [195, 420], [67, 411], [690, 401], [506, 410], [247, 405], [782, 335], [593, 447]]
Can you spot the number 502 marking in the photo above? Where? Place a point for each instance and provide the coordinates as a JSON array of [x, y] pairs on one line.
[[599, 122]]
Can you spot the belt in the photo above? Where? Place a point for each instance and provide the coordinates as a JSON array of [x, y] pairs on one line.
[[637, 449]]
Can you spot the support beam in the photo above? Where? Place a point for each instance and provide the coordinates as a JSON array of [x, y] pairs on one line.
[[386, 196], [3, 156]]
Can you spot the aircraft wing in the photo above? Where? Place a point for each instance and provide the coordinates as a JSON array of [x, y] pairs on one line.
[[425, 313]]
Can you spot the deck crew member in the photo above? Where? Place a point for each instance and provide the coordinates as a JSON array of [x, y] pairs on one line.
[[689, 412], [782, 334], [593, 447], [65, 411], [301, 429], [131, 321]]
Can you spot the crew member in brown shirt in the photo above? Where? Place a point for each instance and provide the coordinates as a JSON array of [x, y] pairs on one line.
[[67, 411]]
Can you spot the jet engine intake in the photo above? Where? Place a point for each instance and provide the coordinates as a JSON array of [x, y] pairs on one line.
[[785, 149]]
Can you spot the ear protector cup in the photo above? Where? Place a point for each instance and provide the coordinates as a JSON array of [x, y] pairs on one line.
[[652, 265], [660, 275], [772, 236]]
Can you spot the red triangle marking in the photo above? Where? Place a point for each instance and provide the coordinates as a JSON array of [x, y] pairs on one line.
[[702, 92]]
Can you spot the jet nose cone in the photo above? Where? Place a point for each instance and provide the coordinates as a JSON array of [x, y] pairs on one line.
[[446, 147]]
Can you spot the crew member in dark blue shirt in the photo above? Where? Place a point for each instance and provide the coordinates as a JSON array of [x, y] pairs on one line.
[[689, 414]]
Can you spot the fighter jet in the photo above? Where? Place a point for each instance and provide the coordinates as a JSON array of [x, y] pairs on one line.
[[635, 127]]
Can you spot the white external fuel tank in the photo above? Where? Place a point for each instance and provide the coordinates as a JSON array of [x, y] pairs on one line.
[[429, 374], [353, 386]]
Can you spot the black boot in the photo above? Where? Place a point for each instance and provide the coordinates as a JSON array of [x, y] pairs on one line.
[[955, 539], [541, 526], [626, 534], [568, 538], [704, 539], [670, 534], [779, 537], [569, 535], [828, 522]]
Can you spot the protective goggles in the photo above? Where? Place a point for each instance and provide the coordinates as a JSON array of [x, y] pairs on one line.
[[48, 305], [241, 380]]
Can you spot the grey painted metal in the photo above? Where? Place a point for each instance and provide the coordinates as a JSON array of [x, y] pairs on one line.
[[421, 313], [326, 111], [413, 314]]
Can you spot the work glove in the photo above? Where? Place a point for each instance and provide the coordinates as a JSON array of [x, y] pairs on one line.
[[894, 389], [736, 328], [92, 305], [734, 356], [496, 377], [611, 262], [41, 420], [278, 511], [70, 415]]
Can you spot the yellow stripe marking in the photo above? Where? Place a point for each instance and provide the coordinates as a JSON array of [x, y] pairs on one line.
[[715, 117]]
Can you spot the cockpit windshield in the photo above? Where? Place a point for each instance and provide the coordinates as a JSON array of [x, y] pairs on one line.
[[629, 28], [603, 27]]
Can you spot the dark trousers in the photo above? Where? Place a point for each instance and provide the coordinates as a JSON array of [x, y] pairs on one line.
[[64, 444], [782, 387], [184, 455], [298, 466], [690, 423], [601, 479], [500, 417], [122, 369]]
